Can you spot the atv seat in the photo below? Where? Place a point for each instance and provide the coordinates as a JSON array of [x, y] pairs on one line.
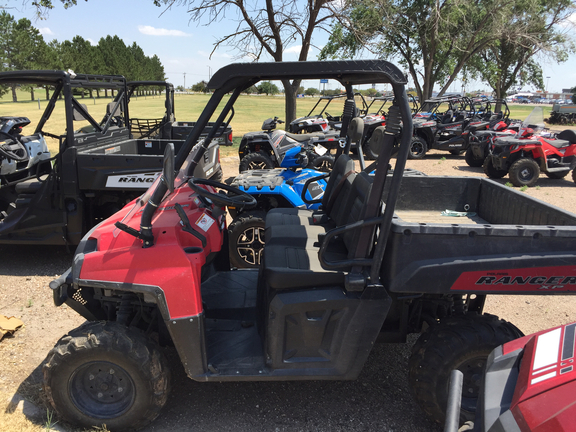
[[568, 135], [309, 136], [557, 143]]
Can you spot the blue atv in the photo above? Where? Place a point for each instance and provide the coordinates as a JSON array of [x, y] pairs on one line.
[[272, 148], [280, 187]]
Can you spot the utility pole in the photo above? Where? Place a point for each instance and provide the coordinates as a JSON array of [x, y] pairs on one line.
[[184, 81]]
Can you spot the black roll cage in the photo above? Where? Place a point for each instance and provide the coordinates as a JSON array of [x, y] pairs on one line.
[[236, 78]]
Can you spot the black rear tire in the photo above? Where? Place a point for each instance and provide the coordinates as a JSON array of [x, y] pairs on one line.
[[418, 148], [105, 373], [524, 172], [257, 160], [369, 154], [218, 175], [246, 238], [491, 171], [574, 175], [472, 160], [323, 163], [462, 343]]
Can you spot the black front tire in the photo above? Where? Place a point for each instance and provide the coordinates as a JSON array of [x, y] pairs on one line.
[[246, 238], [491, 171], [524, 172], [323, 163], [472, 160], [462, 343], [105, 373], [254, 161], [418, 148]]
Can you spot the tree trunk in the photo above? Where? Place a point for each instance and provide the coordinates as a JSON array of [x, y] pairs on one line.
[[31, 93], [290, 91], [47, 93], [106, 93], [14, 97]]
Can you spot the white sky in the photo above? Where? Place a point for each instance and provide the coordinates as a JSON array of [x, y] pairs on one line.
[[181, 45]]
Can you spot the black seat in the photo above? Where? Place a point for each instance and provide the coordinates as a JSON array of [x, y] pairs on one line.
[[28, 187], [568, 135], [339, 181]]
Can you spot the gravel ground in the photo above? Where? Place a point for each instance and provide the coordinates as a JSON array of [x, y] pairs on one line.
[[378, 400]]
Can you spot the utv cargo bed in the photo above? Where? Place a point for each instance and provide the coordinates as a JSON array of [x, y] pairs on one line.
[[501, 245]]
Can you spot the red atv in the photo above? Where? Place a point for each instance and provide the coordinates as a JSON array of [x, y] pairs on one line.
[[528, 153], [529, 385]]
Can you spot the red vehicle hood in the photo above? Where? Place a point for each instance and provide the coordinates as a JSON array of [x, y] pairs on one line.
[[545, 395]]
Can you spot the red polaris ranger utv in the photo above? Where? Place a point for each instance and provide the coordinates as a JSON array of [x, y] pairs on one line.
[[378, 261]]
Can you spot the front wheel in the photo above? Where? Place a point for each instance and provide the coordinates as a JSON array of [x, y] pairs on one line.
[[462, 343], [491, 171], [246, 237], [105, 373], [524, 172], [418, 148], [472, 160]]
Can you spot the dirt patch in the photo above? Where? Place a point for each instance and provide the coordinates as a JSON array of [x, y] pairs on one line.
[[378, 400]]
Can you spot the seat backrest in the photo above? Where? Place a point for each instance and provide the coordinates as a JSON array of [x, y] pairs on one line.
[[355, 207], [343, 165], [447, 117], [568, 135], [355, 130]]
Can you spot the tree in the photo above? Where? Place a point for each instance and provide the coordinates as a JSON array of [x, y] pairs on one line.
[[21, 46], [267, 29], [433, 40], [200, 87], [509, 61], [311, 91], [268, 88]]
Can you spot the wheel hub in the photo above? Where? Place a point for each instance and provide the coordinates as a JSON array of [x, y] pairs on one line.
[[101, 389], [473, 371], [251, 244]]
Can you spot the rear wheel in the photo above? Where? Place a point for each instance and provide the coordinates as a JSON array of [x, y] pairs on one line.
[[557, 175], [323, 163], [491, 171], [472, 160], [574, 175], [254, 161], [246, 237], [462, 343], [369, 154], [418, 148], [524, 172], [105, 373]]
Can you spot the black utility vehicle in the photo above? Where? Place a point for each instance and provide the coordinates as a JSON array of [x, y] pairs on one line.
[[167, 127], [439, 124], [55, 199]]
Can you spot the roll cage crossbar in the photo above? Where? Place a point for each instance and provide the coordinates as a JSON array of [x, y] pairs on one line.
[[63, 83]]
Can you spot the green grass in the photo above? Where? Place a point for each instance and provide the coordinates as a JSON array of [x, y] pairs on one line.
[[250, 111]]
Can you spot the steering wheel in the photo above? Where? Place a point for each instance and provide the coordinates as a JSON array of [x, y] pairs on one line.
[[13, 149], [328, 116], [238, 199]]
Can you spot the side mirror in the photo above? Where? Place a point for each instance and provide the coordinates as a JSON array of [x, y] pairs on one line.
[[168, 174]]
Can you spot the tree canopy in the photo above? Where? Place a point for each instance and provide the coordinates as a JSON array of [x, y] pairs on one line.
[[23, 47], [435, 40]]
